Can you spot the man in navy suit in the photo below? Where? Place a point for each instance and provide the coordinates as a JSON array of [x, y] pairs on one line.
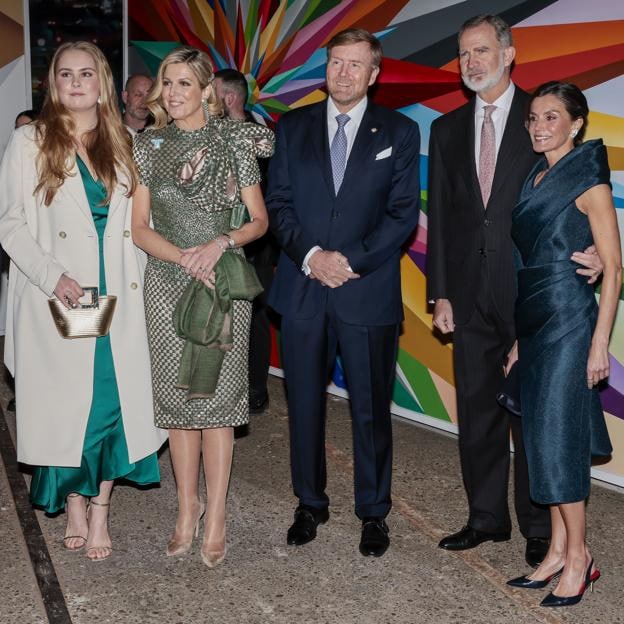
[[343, 197]]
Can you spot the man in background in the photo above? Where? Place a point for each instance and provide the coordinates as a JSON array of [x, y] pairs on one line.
[[136, 114], [231, 89]]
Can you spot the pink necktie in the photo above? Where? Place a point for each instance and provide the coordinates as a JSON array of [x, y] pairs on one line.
[[487, 154]]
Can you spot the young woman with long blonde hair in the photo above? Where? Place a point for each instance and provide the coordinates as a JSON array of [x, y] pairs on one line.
[[84, 408]]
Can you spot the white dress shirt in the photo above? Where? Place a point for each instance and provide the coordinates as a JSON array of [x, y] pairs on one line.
[[351, 128], [499, 117], [356, 114]]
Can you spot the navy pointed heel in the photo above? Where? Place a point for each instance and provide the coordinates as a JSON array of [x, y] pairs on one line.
[[524, 582], [552, 600]]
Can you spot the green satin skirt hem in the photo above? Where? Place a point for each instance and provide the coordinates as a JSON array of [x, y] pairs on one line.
[[51, 484], [105, 451]]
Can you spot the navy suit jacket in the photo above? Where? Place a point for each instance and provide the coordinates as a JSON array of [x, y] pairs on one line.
[[372, 216]]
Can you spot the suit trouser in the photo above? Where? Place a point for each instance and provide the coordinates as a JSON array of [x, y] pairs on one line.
[[480, 348], [368, 355]]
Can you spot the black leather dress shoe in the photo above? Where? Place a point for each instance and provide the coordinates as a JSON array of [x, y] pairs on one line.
[[536, 549], [469, 538], [258, 404], [375, 539], [303, 529]]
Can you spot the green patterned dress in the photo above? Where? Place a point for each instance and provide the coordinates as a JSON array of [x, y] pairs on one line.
[[194, 178], [104, 452]]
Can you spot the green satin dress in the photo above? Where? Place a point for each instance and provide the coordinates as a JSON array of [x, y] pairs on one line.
[[105, 452]]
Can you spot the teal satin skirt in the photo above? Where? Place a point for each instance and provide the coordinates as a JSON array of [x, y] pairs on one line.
[[104, 453]]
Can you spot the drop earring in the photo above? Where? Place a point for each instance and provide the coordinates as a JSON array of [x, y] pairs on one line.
[[574, 133], [205, 109]]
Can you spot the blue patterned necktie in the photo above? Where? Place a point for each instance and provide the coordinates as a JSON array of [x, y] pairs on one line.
[[338, 151]]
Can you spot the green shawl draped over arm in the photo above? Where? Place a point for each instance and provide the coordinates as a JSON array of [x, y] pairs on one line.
[[203, 318]]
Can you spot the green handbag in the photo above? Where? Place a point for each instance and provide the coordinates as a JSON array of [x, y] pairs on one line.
[[240, 216]]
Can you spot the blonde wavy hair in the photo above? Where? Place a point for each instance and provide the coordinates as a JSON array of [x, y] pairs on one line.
[[108, 145], [200, 65]]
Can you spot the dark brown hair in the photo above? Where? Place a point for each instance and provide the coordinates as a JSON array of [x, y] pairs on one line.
[[572, 99], [233, 81]]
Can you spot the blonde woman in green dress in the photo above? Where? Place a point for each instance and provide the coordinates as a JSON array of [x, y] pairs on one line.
[[84, 406], [195, 168]]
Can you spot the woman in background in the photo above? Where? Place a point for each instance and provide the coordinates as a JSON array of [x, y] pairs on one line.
[[563, 336], [84, 406], [25, 117]]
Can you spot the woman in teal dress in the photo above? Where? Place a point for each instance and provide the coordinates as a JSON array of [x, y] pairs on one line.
[[563, 335], [84, 413]]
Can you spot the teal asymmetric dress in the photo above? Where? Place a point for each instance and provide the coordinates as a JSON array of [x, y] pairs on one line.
[[105, 452], [562, 420]]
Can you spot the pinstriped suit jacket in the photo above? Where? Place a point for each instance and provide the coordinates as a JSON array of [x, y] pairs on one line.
[[468, 242]]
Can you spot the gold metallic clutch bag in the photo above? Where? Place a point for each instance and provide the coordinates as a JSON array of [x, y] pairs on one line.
[[88, 320]]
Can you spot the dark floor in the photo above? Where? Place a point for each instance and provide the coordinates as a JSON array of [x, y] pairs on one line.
[[326, 581]]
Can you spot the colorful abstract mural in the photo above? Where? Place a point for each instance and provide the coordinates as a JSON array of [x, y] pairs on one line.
[[279, 46]]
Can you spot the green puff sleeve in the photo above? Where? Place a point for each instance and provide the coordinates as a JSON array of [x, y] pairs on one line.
[[248, 142], [142, 150]]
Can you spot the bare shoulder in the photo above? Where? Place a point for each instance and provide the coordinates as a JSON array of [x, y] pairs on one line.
[[595, 198]]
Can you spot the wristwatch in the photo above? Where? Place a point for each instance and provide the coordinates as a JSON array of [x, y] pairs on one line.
[[230, 241]]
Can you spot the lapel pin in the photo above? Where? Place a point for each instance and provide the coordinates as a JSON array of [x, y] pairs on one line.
[[157, 143], [373, 129]]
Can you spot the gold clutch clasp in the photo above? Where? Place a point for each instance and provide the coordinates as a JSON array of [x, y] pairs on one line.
[[90, 300]]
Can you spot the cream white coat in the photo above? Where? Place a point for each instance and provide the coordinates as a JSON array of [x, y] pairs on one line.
[[54, 376]]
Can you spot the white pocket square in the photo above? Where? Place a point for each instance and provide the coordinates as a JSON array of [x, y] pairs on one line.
[[384, 154]]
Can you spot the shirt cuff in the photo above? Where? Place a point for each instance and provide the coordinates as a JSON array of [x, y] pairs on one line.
[[304, 266]]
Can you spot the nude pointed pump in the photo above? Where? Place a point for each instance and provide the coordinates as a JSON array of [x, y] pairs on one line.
[[212, 558], [179, 547]]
